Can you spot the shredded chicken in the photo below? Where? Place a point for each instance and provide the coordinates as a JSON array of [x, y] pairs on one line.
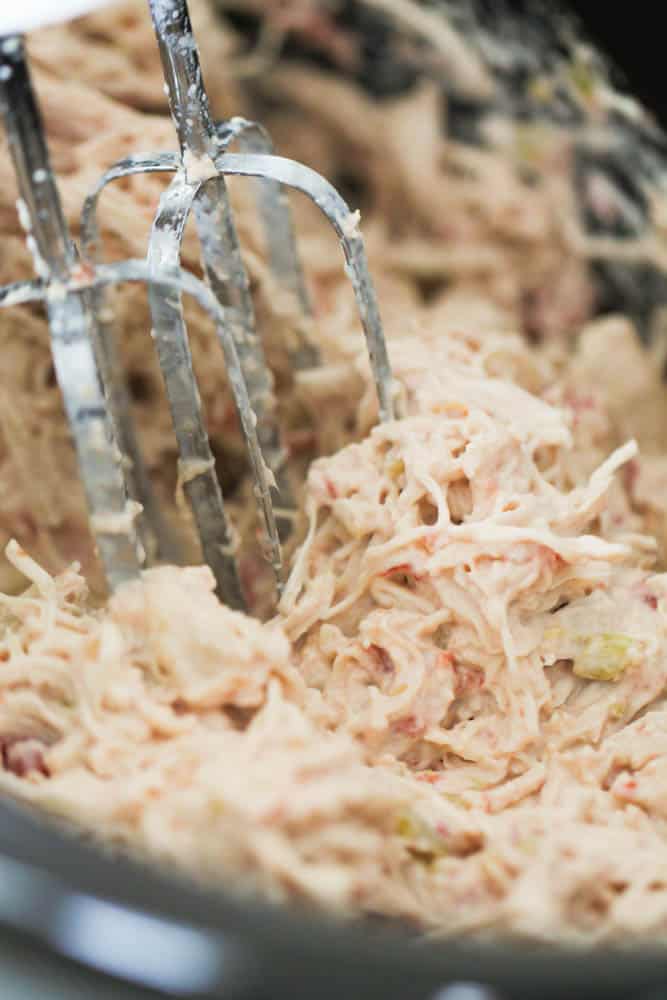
[[457, 715], [457, 707]]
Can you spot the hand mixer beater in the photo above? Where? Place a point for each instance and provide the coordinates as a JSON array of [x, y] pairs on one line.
[[125, 517]]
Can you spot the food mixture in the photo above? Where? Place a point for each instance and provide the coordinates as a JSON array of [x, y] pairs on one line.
[[457, 715]]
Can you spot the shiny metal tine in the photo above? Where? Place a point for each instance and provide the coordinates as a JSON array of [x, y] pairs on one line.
[[173, 283], [220, 250], [70, 321], [295, 175], [226, 576], [19, 293], [158, 539], [139, 163], [176, 281], [196, 463], [281, 244]]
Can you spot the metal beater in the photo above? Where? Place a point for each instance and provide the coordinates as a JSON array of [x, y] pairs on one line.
[[125, 517]]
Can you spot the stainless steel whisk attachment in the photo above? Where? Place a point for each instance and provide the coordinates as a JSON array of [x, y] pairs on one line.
[[125, 517]]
